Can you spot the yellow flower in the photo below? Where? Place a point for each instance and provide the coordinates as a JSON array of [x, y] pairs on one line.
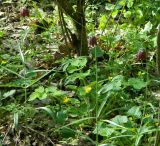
[[3, 62], [110, 78], [157, 124], [140, 73], [87, 89], [65, 99], [147, 115], [130, 118]]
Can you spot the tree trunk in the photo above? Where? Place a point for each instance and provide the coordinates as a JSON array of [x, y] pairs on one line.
[[78, 18], [80, 25]]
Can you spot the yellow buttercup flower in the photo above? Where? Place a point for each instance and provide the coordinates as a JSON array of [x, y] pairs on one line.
[[157, 124], [65, 99], [140, 73], [130, 118], [87, 89], [3, 62], [147, 115], [110, 78]]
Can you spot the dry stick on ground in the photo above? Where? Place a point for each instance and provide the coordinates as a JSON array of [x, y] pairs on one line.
[[8, 129], [33, 130]]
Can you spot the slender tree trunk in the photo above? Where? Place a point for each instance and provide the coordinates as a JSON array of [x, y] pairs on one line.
[[80, 25], [78, 17]]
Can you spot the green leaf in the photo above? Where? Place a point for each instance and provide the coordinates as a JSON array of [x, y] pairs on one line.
[[40, 89], [75, 76], [109, 7], [1, 34], [75, 64], [102, 22], [139, 13], [127, 14], [122, 2], [16, 115], [120, 119], [135, 112], [49, 111], [97, 52], [103, 130], [39, 93], [147, 27], [43, 96], [58, 93], [9, 93], [61, 117], [34, 96], [130, 3], [51, 89], [79, 62], [114, 13], [106, 131], [115, 84], [67, 132], [137, 83]]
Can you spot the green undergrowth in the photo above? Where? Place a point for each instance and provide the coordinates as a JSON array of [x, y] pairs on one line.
[[108, 98]]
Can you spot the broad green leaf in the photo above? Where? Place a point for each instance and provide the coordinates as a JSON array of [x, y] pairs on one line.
[[97, 52], [40, 89], [75, 64], [43, 96], [79, 62], [114, 13], [135, 112], [147, 27], [58, 93], [75, 76], [120, 119], [34, 96], [102, 22], [103, 130], [137, 83], [106, 131], [114, 124], [109, 7], [127, 14], [51, 89], [115, 84], [130, 3], [9, 93], [122, 2], [139, 13]]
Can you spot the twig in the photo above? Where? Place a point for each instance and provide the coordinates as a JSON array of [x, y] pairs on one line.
[[7, 133], [39, 134]]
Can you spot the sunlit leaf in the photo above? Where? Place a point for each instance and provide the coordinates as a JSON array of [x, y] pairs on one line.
[[97, 52], [135, 112], [9, 93], [130, 3], [137, 83], [120, 119], [115, 84], [148, 27]]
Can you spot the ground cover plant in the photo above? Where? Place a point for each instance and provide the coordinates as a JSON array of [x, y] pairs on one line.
[[82, 72]]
